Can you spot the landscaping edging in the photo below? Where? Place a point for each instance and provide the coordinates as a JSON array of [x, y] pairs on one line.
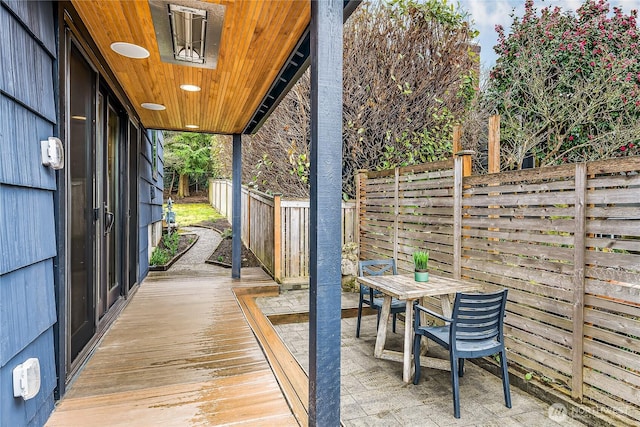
[[168, 265]]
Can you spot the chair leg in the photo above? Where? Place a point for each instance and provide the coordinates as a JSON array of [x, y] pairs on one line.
[[505, 379], [455, 385], [378, 320], [394, 323], [416, 358], [461, 368], [359, 317]]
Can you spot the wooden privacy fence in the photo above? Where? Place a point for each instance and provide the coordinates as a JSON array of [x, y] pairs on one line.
[[276, 229], [564, 240]]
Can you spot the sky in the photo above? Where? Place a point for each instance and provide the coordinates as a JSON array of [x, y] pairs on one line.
[[486, 14]]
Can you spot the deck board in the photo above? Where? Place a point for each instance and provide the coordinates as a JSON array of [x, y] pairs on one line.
[[181, 353]]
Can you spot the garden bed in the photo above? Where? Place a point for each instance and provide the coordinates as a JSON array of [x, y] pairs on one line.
[[222, 254], [185, 242]]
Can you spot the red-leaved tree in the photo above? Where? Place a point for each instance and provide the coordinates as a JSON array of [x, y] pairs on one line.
[[567, 86]]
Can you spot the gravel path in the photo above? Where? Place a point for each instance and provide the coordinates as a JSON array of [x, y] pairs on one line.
[[194, 260]]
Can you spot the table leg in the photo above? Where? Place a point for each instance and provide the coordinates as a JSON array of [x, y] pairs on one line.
[[408, 342], [382, 327], [424, 343]]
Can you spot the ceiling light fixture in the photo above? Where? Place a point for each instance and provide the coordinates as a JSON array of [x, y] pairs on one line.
[[192, 126], [190, 88], [152, 106], [188, 32], [130, 50]]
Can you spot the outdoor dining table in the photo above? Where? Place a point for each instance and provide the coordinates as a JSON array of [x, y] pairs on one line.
[[405, 288]]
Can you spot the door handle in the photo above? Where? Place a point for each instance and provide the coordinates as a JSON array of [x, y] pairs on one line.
[[109, 219]]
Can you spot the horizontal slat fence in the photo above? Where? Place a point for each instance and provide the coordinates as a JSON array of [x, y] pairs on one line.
[[407, 209], [518, 232], [276, 229], [564, 240]]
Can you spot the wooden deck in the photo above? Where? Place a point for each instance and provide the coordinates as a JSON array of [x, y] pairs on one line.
[[182, 353]]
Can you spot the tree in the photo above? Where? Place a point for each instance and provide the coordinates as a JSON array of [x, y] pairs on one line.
[[567, 85], [409, 74], [190, 155]]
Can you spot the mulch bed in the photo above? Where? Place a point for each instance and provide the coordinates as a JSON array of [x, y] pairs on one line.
[[222, 255]]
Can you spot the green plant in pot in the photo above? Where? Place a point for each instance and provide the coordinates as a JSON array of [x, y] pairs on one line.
[[421, 263]]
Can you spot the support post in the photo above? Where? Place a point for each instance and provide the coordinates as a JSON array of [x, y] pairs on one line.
[[325, 212], [236, 207]]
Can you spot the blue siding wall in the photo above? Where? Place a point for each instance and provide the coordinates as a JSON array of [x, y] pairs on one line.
[[17, 412], [150, 193], [26, 228], [27, 232]]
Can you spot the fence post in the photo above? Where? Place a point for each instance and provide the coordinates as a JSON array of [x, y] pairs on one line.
[[494, 144], [457, 139], [360, 177], [461, 168], [277, 237], [229, 200], [396, 211], [579, 247], [249, 187]]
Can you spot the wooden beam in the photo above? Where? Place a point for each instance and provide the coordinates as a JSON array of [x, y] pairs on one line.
[[325, 213], [236, 209]]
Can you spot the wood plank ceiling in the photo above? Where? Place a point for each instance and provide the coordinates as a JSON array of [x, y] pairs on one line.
[[257, 38]]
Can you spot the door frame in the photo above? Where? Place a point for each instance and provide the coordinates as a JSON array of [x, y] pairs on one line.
[[71, 42], [71, 31]]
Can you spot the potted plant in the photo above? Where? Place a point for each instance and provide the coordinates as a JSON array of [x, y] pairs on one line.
[[421, 263]]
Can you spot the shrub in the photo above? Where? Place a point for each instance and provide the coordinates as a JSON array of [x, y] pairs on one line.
[[170, 242], [159, 256]]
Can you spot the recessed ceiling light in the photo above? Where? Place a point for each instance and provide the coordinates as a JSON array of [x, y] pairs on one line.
[[152, 106], [130, 50], [192, 126], [190, 88]]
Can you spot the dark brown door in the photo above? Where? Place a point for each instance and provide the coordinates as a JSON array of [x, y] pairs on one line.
[[132, 183], [109, 235], [82, 171], [112, 199]]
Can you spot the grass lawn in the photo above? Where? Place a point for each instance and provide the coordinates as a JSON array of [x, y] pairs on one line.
[[193, 213]]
